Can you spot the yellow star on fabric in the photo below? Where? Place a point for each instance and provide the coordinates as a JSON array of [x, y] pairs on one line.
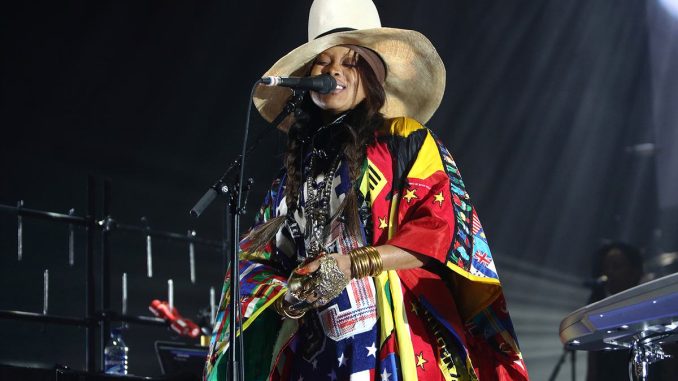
[[439, 198], [421, 360], [410, 194], [382, 223], [414, 309]]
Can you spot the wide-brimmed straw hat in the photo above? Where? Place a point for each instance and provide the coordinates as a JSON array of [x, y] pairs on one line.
[[415, 74]]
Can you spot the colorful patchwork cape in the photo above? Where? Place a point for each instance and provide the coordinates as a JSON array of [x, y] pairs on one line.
[[418, 202]]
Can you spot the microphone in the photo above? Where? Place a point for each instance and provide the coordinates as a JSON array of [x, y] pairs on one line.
[[322, 84]]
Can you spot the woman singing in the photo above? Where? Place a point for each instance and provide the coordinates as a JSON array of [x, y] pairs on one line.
[[368, 261]]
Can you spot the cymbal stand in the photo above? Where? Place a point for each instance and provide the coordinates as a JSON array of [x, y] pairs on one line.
[[643, 353]]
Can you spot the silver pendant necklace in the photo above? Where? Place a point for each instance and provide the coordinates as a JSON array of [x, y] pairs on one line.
[[317, 207]]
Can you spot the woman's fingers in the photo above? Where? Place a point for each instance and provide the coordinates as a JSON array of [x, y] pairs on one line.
[[309, 268], [305, 281]]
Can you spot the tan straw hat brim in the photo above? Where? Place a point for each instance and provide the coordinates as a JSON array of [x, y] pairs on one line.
[[415, 74]]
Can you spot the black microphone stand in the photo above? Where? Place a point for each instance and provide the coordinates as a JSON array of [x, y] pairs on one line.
[[231, 188]]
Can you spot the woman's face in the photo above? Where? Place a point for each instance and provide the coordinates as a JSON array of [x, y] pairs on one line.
[[339, 62]]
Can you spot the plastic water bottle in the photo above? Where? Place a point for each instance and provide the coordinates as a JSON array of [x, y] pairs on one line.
[[115, 354]]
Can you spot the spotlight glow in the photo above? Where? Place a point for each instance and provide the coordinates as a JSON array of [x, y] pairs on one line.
[[671, 6]]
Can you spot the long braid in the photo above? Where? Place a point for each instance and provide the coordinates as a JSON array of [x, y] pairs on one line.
[[296, 139], [260, 236], [355, 152]]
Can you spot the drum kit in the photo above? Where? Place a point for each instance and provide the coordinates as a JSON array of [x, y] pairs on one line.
[[640, 320]]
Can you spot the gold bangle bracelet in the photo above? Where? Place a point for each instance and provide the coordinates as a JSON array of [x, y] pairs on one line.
[[365, 261], [376, 264]]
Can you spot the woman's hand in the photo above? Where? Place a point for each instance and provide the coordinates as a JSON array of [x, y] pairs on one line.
[[344, 262], [394, 258], [321, 279]]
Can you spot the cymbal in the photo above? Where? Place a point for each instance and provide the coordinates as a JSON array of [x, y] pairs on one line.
[[645, 313]]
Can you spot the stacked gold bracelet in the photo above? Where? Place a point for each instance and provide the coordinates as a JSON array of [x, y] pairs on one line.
[[365, 261]]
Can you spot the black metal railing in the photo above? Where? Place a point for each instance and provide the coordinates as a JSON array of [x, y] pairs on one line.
[[96, 318]]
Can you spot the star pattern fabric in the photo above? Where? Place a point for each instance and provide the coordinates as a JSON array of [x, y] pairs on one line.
[[418, 203], [385, 375], [371, 350], [410, 194], [421, 360], [439, 198], [342, 360]]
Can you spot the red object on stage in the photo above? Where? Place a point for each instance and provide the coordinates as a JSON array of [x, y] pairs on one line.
[[178, 323]]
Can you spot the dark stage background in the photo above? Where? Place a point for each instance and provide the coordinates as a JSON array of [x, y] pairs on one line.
[[544, 105]]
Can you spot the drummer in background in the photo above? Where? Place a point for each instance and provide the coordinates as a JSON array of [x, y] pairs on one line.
[[618, 267]]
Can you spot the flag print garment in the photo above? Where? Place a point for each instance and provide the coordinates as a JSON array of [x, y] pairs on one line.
[[445, 321]]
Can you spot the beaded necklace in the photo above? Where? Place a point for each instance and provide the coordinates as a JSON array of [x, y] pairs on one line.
[[317, 208], [318, 193]]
